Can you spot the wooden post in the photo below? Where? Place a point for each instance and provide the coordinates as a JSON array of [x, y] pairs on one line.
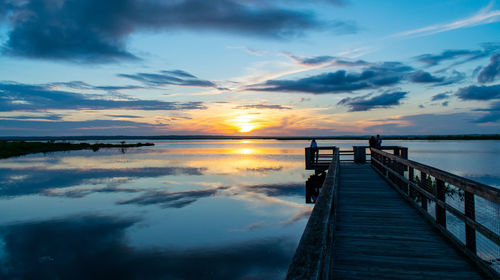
[[359, 154], [441, 196], [470, 232], [308, 158], [423, 184], [411, 178], [404, 152]]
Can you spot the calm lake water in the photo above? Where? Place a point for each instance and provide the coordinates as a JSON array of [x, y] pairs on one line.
[[178, 210]]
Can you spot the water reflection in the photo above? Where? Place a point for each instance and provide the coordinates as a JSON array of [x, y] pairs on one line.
[[313, 186], [95, 247], [172, 199], [234, 209], [231, 209], [16, 182]]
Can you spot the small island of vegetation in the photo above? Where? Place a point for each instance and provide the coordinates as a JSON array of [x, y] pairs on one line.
[[19, 148]]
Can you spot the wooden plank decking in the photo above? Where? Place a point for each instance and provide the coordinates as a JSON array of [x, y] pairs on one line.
[[380, 236]]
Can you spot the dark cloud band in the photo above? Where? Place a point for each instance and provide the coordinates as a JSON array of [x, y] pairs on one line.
[[95, 31]]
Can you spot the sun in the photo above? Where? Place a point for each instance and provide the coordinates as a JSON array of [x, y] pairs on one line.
[[245, 123]]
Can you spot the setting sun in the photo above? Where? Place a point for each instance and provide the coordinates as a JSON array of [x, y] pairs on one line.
[[245, 123]]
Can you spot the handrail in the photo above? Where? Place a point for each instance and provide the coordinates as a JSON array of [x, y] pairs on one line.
[[312, 258], [477, 188], [317, 160], [400, 173]]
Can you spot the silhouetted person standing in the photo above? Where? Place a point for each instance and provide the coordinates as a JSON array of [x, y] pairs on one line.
[[379, 142], [372, 142], [314, 148]]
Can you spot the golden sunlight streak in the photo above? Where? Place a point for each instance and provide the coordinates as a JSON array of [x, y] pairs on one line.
[[245, 123]]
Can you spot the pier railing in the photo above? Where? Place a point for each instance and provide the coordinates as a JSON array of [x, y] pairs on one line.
[[319, 158], [465, 211], [313, 257]]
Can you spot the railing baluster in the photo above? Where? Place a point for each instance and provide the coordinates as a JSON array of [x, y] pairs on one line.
[[440, 210], [411, 178], [470, 232], [423, 184], [392, 167]]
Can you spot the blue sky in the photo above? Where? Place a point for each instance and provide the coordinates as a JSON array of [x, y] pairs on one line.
[[249, 67]]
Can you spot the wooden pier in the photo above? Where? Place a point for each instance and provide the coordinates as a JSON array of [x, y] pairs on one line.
[[394, 218]]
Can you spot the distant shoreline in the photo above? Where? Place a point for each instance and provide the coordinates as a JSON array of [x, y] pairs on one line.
[[283, 138], [20, 148]]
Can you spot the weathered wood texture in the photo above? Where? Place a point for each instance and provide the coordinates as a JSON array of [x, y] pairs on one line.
[[380, 236], [312, 259], [319, 158], [390, 167]]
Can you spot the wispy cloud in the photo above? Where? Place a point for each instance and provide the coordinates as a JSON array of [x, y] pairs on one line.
[[429, 124], [252, 51], [492, 113], [169, 77], [263, 106], [484, 16], [326, 60], [441, 96], [458, 56], [365, 103], [22, 97]]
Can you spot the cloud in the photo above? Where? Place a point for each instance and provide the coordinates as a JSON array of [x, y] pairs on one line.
[[445, 104], [263, 106], [48, 117], [124, 116], [441, 96], [385, 74], [96, 247], [479, 92], [327, 59], [490, 72], [484, 16], [85, 86], [424, 77], [165, 78], [17, 182], [454, 78], [171, 199], [252, 51], [25, 97], [469, 55], [13, 127], [430, 124], [364, 103], [492, 113], [95, 31]]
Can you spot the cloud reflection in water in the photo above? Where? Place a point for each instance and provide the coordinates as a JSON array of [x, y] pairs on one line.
[[95, 247], [16, 182]]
